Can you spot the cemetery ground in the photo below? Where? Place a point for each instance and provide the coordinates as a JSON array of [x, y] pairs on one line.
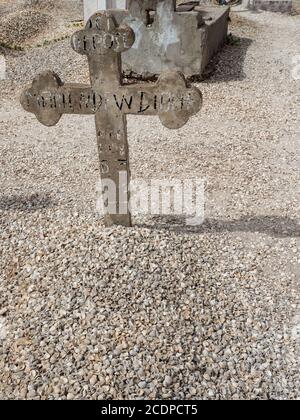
[[161, 310]]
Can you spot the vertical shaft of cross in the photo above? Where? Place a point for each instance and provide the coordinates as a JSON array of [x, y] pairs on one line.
[[112, 141]]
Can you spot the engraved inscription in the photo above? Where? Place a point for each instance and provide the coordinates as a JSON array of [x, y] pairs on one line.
[[139, 102]]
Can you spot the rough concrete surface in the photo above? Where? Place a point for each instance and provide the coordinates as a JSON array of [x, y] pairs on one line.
[[182, 41], [279, 6], [178, 39], [93, 6]]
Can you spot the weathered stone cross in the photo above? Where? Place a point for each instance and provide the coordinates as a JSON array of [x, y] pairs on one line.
[[110, 100]]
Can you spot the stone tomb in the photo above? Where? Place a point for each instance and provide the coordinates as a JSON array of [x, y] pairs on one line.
[[93, 6], [280, 6], [182, 38], [102, 41]]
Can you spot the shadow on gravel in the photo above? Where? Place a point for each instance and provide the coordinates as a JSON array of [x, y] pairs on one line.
[[25, 203], [228, 64], [280, 227]]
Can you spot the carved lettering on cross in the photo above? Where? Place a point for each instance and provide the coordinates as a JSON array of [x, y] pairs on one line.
[[110, 101]]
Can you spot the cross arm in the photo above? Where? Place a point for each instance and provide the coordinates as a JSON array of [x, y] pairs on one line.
[[170, 98], [49, 98]]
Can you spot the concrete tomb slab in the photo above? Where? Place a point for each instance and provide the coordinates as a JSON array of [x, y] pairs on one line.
[[93, 6], [168, 37], [174, 39], [280, 6], [170, 98]]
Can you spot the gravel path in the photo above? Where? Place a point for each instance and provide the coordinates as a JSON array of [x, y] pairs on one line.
[[160, 310]]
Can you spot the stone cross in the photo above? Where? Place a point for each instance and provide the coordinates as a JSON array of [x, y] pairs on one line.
[[110, 100]]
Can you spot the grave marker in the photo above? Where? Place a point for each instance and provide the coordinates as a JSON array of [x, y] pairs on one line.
[[110, 101]]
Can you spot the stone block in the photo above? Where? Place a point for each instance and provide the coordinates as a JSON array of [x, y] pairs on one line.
[[281, 6], [183, 38]]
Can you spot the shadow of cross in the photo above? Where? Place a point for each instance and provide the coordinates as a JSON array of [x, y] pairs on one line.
[[110, 101]]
